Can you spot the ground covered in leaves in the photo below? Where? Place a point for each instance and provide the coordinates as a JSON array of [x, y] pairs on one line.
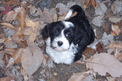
[[22, 48]]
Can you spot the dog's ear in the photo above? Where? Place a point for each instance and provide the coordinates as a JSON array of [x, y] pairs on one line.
[[46, 31]]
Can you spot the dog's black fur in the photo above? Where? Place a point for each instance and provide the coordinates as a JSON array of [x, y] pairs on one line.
[[81, 34]]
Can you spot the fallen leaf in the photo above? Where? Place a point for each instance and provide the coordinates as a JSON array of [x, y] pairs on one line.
[[62, 8], [47, 15], [7, 25], [91, 2], [16, 57], [6, 57], [62, 16], [55, 17], [21, 18], [99, 47], [79, 76], [115, 19], [70, 4], [31, 62], [111, 79], [106, 39], [8, 78], [10, 44], [18, 37], [101, 10], [116, 7], [115, 45], [115, 29], [98, 20], [31, 29], [105, 63], [11, 15], [116, 48], [7, 9]]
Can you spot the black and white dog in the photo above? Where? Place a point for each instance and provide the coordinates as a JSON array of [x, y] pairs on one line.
[[67, 39]]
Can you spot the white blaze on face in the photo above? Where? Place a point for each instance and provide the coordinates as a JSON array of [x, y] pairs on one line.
[[63, 39]]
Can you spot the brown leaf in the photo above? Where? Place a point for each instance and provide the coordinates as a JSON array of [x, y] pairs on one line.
[[86, 52], [6, 57], [79, 76], [7, 25], [105, 63], [115, 45], [31, 62], [106, 26], [47, 15], [31, 29], [7, 79], [115, 29], [99, 47], [55, 17], [62, 16], [11, 15], [91, 2], [21, 18], [16, 57], [18, 37]]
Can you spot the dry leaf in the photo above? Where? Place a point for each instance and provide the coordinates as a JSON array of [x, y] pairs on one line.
[[31, 62], [99, 47], [111, 79], [21, 18], [79, 76], [31, 29], [62, 8], [101, 10], [115, 30], [30, 23], [115, 19], [18, 37], [7, 79], [116, 48], [91, 2], [47, 15], [62, 16], [7, 25], [115, 45], [16, 57], [12, 15], [105, 63], [6, 57], [55, 17]]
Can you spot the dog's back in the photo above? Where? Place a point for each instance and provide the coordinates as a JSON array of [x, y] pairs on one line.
[[81, 20]]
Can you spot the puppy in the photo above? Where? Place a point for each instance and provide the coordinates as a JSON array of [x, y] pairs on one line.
[[67, 39]]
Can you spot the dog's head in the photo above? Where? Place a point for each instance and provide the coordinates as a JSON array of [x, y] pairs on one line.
[[59, 35]]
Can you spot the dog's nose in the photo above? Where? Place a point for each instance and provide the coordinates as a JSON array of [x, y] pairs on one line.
[[60, 43]]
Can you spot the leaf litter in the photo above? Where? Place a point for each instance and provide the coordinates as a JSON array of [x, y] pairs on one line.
[[22, 47]]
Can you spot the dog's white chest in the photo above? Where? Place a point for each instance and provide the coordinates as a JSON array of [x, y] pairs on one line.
[[65, 57]]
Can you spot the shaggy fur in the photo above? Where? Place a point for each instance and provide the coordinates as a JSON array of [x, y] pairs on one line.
[[67, 39]]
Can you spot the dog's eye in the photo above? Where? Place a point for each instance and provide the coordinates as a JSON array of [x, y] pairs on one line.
[[55, 32], [68, 34]]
